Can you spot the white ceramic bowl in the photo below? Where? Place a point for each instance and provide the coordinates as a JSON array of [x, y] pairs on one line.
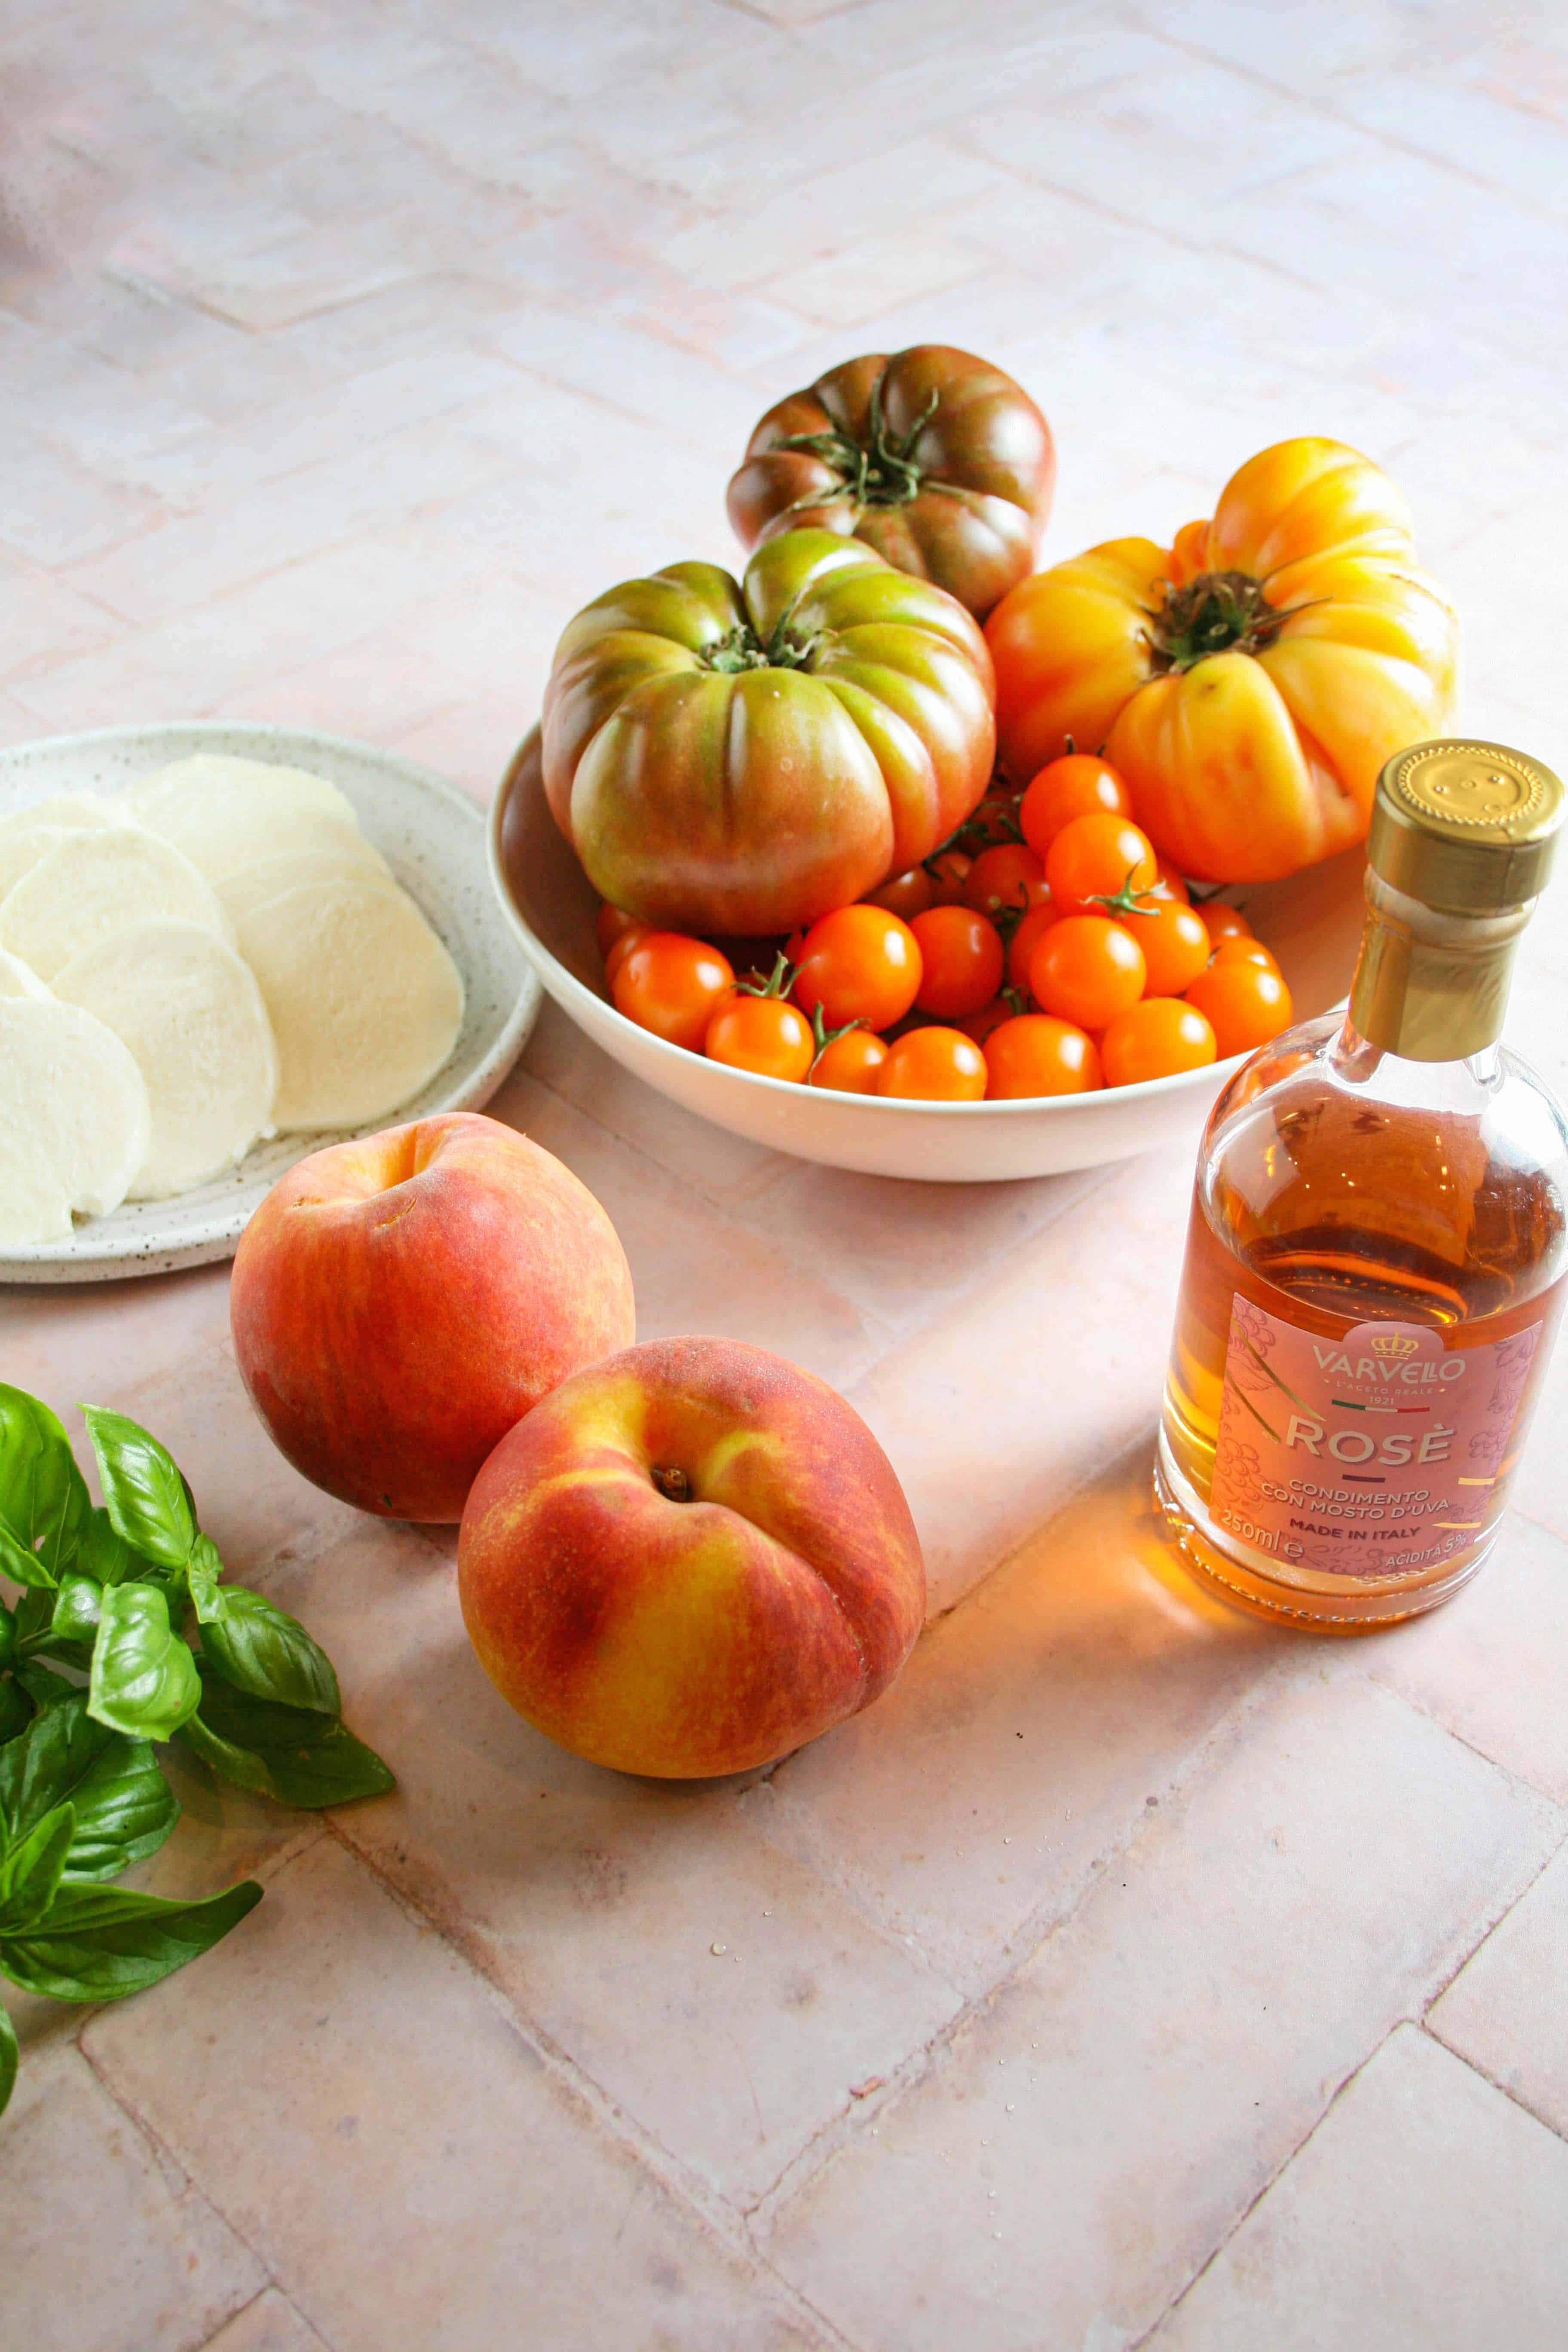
[[1313, 922], [433, 838]]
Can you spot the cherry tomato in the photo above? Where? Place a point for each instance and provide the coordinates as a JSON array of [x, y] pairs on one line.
[[619, 948], [1036, 1054], [765, 1034], [949, 871], [859, 964], [934, 1066], [962, 961], [850, 1064], [1026, 937], [793, 946], [1236, 949], [1175, 947], [1153, 1039], [673, 985], [1222, 922], [1011, 875], [1169, 884], [905, 894], [1075, 785], [1087, 969], [995, 820], [1244, 1003], [610, 923], [1098, 856], [980, 1025]]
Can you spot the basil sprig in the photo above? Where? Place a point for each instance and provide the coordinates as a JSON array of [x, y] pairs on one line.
[[124, 1633]]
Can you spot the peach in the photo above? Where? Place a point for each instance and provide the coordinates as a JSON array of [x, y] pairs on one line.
[[690, 1560], [401, 1300]]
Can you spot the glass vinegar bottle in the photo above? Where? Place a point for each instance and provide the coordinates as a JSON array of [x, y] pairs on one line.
[[1378, 1247]]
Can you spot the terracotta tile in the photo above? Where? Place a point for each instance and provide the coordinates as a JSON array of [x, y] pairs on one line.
[[1072, 1330], [1096, 2130], [270, 2324], [1426, 2209], [353, 2029], [1502, 2011], [718, 1991], [64, 1341], [1032, 1731], [1490, 1664], [105, 2242], [862, 280]]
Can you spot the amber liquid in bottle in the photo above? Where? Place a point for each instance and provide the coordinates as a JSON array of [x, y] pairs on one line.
[[1335, 1193], [1376, 1258]]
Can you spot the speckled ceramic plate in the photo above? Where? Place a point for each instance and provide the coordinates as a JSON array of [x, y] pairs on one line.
[[432, 836]]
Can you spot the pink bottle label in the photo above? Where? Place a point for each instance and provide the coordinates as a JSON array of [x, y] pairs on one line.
[[1378, 1455]]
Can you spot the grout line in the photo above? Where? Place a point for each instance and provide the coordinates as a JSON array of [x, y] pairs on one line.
[[1504, 2090]]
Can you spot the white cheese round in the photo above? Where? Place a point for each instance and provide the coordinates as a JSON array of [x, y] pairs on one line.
[[226, 813], [69, 1086], [91, 885]]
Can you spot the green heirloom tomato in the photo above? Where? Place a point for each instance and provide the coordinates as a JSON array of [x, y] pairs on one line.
[[737, 759], [935, 458]]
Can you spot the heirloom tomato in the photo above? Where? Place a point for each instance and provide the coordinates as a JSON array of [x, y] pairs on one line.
[[736, 760], [1248, 683], [936, 459]]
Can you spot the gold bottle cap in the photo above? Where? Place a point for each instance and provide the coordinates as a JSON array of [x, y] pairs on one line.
[[1465, 825]]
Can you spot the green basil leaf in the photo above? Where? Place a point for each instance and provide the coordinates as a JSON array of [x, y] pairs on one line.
[[143, 1678], [105, 1556], [204, 1572], [8, 1634], [99, 1943], [76, 1609], [31, 1869], [16, 1709], [260, 1648], [8, 2054], [148, 1502], [44, 1686], [44, 1502], [286, 1752], [124, 1807]]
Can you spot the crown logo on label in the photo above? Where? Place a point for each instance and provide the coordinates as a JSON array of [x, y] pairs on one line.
[[1390, 1343]]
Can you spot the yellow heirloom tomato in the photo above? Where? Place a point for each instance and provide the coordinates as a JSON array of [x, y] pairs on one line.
[[1247, 683]]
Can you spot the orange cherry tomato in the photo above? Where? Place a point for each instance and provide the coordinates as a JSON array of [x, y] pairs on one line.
[[1236, 949], [1169, 884], [996, 819], [907, 895], [1175, 947], [1026, 937], [619, 948], [1153, 1039], [1222, 922], [1244, 1003], [673, 985], [1011, 875], [934, 1066], [962, 961], [859, 964], [1075, 785], [851, 1063], [1036, 1054], [611, 922], [1087, 969], [980, 1025], [1098, 856], [763, 1034], [949, 871]]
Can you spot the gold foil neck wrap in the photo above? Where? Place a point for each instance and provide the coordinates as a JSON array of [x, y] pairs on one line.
[[1465, 825], [1430, 985]]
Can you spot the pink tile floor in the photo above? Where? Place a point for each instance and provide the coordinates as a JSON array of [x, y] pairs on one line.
[[1133, 1974]]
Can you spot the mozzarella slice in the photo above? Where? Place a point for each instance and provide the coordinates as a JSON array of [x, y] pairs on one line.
[[33, 1203], [91, 885], [78, 812], [23, 848], [70, 1086], [16, 980], [340, 856], [365, 1002], [190, 1012], [226, 813]]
